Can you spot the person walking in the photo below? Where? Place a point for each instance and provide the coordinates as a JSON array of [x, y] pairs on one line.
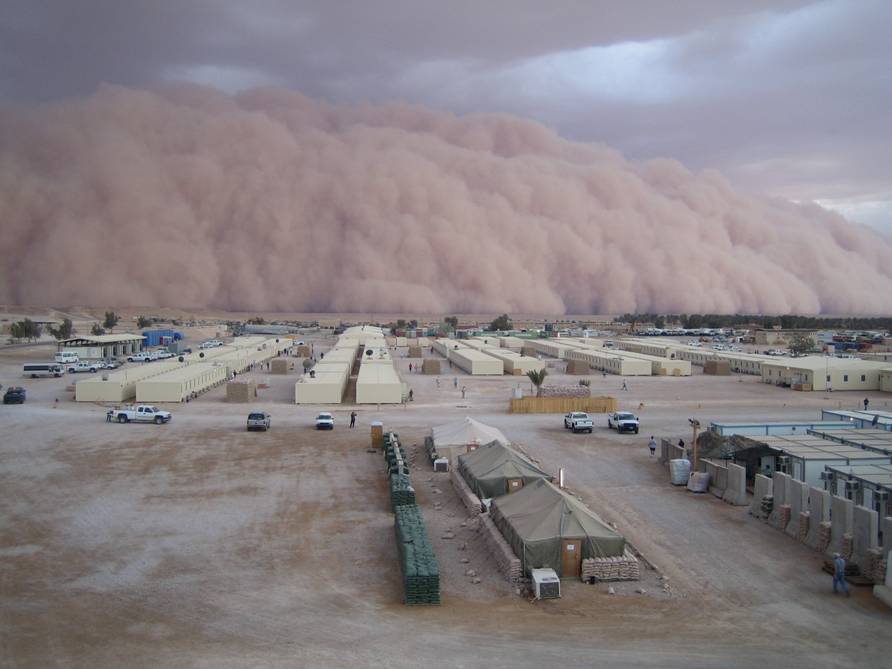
[[652, 445], [411, 395], [438, 382], [839, 574], [462, 392], [625, 387], [410, 368], [866, 403], [455, 382], [352, 419]]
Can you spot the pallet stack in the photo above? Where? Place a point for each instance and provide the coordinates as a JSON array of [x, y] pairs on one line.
[[401, 490], [421, 574], [395, 455]]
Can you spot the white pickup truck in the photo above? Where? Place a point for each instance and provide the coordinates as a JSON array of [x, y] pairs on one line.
[[138, 414], [84, 366], [622, 421], [578, 422]]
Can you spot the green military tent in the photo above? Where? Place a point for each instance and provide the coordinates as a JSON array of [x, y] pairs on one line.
[[494, 469], [547, 528]]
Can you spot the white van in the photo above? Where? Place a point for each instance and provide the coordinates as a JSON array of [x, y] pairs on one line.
[[66, 357], [35, 369]]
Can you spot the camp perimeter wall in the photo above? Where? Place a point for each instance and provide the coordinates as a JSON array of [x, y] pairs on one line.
[[120, 386], [181, 384]]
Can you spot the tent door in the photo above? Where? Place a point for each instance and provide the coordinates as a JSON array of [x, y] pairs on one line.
[[571, 557], [513, 485]]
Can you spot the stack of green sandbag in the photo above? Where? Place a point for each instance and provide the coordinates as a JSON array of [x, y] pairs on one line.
[[401, 490], [395, 456], [421, 575]]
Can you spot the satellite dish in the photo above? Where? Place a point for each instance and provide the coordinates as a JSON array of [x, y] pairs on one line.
[[369, 352], [182, 359], [201, 355]]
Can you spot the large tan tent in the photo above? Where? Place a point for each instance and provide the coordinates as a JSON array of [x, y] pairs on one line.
[[547, 528], [467, 431], [494, 470]]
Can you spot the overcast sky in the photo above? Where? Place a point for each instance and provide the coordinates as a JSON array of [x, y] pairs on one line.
[[787, 97]]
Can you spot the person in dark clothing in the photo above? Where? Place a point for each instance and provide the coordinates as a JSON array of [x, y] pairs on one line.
[[866, 403], [352, 419]]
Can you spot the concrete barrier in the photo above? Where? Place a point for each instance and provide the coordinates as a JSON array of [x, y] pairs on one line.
[[864, 534], [797, 498], [762, 488], [818, 512], [735, 492], [670, 451], [841, 521], [887, 534], [884, 592], [718, 476], [776, 519]]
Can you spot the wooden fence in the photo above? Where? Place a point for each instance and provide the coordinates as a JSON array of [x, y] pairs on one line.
[[562, 404]]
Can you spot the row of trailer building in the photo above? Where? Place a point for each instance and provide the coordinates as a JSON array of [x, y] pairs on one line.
[[363, 351], [181, 378], [811, 372], [847, 453]]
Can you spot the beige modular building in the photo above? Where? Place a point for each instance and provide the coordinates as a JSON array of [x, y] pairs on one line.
[[662, 366], [886, 380], [515, 363], [550, 347], [635, 346], [97, 347], [612, 363], [326, 386], [120, 386], [476, 363], [511, 343], [180, 384], [815, 372], [378, 383], [445, 346]]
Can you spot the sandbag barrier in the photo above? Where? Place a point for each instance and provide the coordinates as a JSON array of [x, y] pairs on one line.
[[401, 491], [421, 573], [418, 564]]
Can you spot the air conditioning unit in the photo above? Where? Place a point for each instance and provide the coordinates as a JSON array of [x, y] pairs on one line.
[[441, 465], [880, 495], [546, 584], [852, 485], [826, 476], [783, 464]]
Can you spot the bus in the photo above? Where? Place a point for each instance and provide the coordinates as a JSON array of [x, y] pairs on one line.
[[35, 369]]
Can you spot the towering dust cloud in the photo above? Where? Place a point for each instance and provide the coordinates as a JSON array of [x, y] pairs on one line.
[[272, 201]]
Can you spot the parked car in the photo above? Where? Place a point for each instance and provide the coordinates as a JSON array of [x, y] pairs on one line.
[[138, 414], [14, 395], [142, 356], [622, 421], [83, 366], [324, 421], [163, 354], [578, 422], [211, 343], [111, 363], [258, 420]]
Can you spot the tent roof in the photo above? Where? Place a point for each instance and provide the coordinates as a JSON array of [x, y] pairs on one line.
[[541, 512], [495, 460], [467, 431]]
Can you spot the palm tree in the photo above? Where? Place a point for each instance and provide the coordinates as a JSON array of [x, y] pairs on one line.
[[537, 378]]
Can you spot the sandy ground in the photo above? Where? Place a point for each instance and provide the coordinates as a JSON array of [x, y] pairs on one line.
[[196, 544]]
